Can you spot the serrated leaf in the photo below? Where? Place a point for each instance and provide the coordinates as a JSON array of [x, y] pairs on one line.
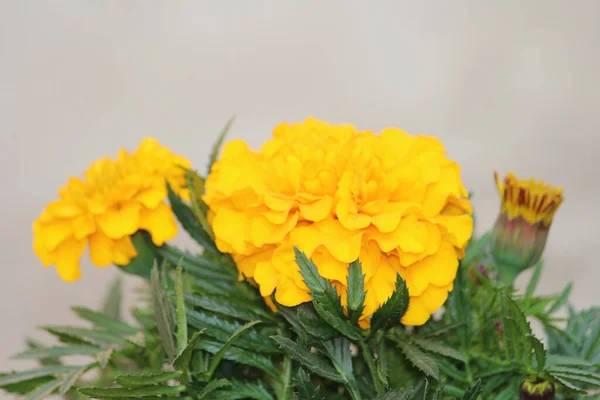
[[244, 390], [22, 376], [182, 330], [56, 352], [44, 390], [306, 389], [162, 314], [570, 385], [419, 359], [141, 391], [355, 292], [221, 353], [539, 352], [199, 266], [212, 386], [103, 357], [227, 306], [216, 148], [325, 298], [562, 299], [382, 364], [554, 360], [112, 300], [105, 322], [338, 351], [401, 394], [461, 308], [70, 379], [291, 316], [438, 348], [85, 335], [222, 330], [314, 325], [473, 392], [393, 309], [497, 370], [183, 359], [26, 386], [195, 185], [189, 222], [307, 359], [242, 356], [147, 379]]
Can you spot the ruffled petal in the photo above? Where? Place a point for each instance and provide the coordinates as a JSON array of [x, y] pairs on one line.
[[159, 222]]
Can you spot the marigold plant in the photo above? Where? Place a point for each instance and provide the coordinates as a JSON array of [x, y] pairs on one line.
[[322, 257]]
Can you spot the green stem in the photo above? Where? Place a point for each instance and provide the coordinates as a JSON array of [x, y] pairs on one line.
[[379, 388], [508, 274]]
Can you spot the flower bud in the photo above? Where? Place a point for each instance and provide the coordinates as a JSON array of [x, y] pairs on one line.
[[536, 389], [521, 230], [482, 270]]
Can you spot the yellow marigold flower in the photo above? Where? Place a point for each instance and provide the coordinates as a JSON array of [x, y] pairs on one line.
[[113, 200], [392, 200], [521, 230]]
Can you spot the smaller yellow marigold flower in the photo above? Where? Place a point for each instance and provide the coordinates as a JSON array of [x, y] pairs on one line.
[[113, 200], [521, 230], [391, 200]]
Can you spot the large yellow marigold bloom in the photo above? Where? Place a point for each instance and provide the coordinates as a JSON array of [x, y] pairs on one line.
[[392, 200], [114, 199]]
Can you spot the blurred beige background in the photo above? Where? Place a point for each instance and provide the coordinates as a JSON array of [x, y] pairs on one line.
[[511, 85]]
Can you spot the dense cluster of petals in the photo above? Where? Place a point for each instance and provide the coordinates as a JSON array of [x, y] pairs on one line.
[[114, 199]]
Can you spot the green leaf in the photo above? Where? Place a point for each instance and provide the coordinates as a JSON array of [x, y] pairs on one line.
[[200, 266], [419, 359], [190, 223], [229, 307], [44, 390], [570, 385], [382, 364], [183, 359], [162, 314], [242, 356], [195, 184], [26, 386], [562, 299], [84, 335], [112, 300], [539, 351], [105, 322], [401, 394], [216, 148], [221, 353], [356, 291], [306, 389], [17, 377], [393, 309], [141, 265], [70, 379], [182, 330], [307, 359], [461, 308], [325, 298], [473, 392], [535, 277], [142, 391], [147, 379], [244, 390], [314, 325], [222, 329], [338, 351], [56, 352], [438, 348], [103, 357], [497, 370], [212, 386]]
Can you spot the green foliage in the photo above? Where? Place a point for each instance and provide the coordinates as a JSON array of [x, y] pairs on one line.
[[202, 333]]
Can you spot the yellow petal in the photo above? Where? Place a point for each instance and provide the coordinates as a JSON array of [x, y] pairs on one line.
[[417, 314], [380, 287], [232, 228], [159, 222], [246, 265], [266, 277], [66, 258], [317, 210], [38, 245], [152, 197], [63, 209], [438, 269], [263, 232], [289, 294], [101, 249], [119, 222], [434, 297], [459, 228], [83, 226], [433, 242], [329, 267], [409, 236], [55, 232], [123, 251]]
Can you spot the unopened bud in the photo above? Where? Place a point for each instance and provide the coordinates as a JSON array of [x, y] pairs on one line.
[[536, 389]]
